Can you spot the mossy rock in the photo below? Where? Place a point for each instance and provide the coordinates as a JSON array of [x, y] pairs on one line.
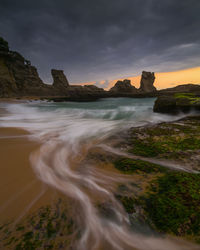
[[129, 166], [166, 139], [128, 202], [187, 98], [179, 102], [173, 204], [48, 228], [151, 148]]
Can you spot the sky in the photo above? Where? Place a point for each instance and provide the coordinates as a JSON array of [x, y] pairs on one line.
[[99, 41]]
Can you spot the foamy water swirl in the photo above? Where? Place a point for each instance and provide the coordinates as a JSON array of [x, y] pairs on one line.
[[65, 130]]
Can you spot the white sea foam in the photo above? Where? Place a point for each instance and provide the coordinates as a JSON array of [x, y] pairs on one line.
[[64, 129]]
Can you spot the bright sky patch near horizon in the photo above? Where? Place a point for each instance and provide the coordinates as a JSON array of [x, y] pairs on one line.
[[97, 41], [163, 79]]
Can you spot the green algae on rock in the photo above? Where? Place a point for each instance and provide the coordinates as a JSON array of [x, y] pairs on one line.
[[169, 203], [173, 204], [170, 200], [178, 141], [50, 227], [179, 102], [129, 166]]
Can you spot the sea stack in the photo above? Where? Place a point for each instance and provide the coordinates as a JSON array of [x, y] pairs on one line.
[[59, 79], [147, 81], [124, 86]]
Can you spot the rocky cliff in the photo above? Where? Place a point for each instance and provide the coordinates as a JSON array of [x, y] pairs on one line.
[[18, 78]]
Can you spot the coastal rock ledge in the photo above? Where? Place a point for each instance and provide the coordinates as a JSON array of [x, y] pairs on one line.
[[179, 102]]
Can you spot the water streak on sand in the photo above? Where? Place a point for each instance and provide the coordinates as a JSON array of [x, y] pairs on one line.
[[63, 130]]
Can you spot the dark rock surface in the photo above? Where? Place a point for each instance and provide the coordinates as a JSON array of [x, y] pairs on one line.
[[147, 81], [59, 79], [17, 76], [182, 102], [85, 93], [186, 88], [123, 87]]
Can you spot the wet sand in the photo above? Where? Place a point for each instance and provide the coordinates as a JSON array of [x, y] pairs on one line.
[[20, 190]]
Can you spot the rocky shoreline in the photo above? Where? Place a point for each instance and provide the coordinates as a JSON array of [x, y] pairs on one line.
[[160, 162], [163, 161], [158, 196]]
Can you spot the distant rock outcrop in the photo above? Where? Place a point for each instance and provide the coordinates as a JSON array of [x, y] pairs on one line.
[[123, 87], [86, 93], [59, 79], [147, 81]]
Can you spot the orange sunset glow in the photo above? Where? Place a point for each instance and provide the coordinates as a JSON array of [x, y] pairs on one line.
[[163, 79], [168, 79]]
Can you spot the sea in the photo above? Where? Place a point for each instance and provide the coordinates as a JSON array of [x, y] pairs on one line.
[[66, 132]]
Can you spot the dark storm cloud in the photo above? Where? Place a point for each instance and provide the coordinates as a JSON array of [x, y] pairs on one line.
[[94, 40]]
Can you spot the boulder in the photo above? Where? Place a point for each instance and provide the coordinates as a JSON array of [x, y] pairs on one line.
[[59, 79], [165, 104], [181, 102], [147, 81]]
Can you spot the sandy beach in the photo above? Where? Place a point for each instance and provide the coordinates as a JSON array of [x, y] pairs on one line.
[[20, 190]]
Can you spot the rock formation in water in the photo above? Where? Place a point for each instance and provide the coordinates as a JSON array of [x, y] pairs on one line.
[[59, 79], [180, 102], [123, 87], [147, 81]]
